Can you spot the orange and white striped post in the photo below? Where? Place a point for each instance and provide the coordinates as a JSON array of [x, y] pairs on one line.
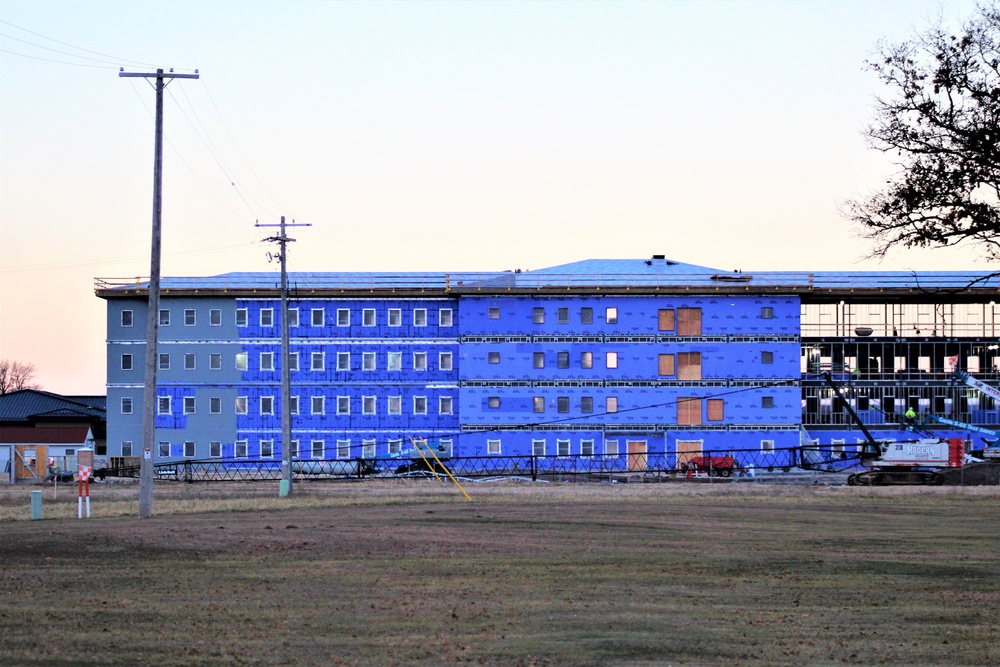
[[83, 490]]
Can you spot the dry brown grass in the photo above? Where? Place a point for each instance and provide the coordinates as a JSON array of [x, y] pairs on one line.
[[411, 573]]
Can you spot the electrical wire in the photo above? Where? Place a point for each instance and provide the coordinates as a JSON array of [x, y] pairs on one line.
[[58, 62], [118, 61]]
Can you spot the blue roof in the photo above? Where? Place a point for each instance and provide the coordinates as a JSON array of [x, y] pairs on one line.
[[656, 272]]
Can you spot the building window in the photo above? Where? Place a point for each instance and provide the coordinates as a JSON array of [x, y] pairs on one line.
[[689, 321], [163, 450], [267, 361], [189, 361], [189, 405], [215, 449], [562, 360], [395, 361], [240, 449], [242, 361], [293, 405], [611, 404], [343, 450], [267, 317], [215, 405], [126, 362], [126, 318], [420, 405], [538, 315], [562, 315], [586, 404], [164, 318], [767, 446], [293, 361], [689, 365], [493, 313], [163, 405], [586, 360], [367, 449], [266, 449], [267, 405], [612, 360], [241, 317], [444, 361], [419, 317], [689, 411], [126, 405], [420, 361], [610, 448], [343, 405], [317, 361], [715, 408], [395, 447], [368, 317], [395, 405], [445, 317], [295, 449], [492, 446], [126, 448], [189, 317], [562, 404], [767, 357], [317, 405], [318, 448], [611, 315], [318, 316], [395, 317], [538, 360], [189, 449], [538, 404], [493, 357], [343, 361], [493, 402], [445, 404], [367, 361], [215, 317], [241, 405], [767, 313], [538, 448], [293, 317], [586, 316], [164, 361], [666, 364], [665, 319], [343, 317], [767, 401], [215, 361], [586, 448], [367, 405], [562, 447]]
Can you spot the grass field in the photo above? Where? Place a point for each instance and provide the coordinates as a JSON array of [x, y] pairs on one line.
[[413, 574]]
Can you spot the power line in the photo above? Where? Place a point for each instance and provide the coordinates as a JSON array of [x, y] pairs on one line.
[[58, 62], [118, 61], [64, 53]]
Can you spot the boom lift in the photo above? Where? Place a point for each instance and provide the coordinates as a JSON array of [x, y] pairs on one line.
[[903, 462]]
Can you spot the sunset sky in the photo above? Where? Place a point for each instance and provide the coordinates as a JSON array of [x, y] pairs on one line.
[[428, 137]]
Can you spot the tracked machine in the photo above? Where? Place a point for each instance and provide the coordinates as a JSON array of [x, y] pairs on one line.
[[889, 462]]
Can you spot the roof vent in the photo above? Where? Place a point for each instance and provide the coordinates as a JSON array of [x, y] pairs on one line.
[[732, 277], [659, 256]]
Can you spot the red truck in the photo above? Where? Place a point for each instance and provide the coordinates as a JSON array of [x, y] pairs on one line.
[[723, 466]]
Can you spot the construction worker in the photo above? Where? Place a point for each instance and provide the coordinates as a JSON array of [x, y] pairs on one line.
[[910, 418]]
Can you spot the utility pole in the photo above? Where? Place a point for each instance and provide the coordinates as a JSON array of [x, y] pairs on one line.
[[286, 374], [153, 314]]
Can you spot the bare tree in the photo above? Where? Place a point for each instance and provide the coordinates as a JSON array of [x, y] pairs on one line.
[[15, 376], [941, 119]]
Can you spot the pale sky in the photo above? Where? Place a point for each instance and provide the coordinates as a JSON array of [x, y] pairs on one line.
[[428, 137]]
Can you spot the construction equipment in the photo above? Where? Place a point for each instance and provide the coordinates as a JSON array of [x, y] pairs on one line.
[[901, 462], [992, 441], [722, 466], [992, 449]]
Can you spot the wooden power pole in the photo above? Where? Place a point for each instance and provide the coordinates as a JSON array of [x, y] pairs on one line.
[[153, 314], [286, 374]]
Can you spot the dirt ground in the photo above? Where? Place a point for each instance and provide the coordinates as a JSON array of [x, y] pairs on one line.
[[557, 574]]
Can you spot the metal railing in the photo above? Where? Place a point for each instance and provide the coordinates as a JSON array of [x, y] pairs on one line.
[[730, 463]]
